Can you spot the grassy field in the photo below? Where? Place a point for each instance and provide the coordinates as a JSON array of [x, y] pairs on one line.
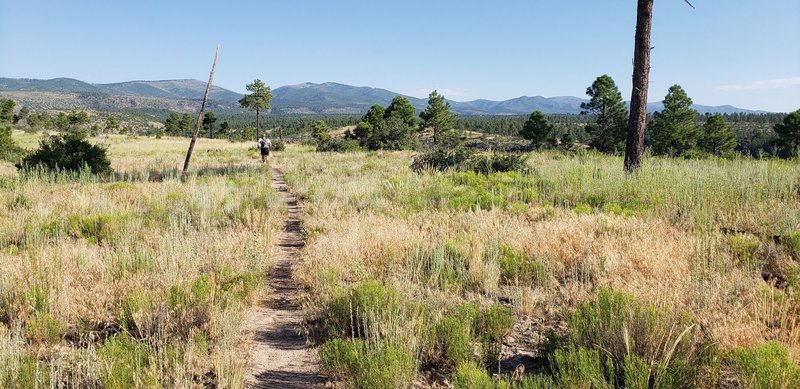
[[437, 271], [683, 275], [134, 282]]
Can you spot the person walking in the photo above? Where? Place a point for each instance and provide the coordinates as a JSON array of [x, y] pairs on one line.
[[264, 145]]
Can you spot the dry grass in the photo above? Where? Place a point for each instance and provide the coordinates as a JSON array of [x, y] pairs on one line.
[[659, 235], [134, 283]]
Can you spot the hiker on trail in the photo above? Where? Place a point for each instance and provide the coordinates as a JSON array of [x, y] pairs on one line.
[[264, 145]]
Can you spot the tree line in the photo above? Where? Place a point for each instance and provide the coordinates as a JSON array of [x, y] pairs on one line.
[[677, 130]]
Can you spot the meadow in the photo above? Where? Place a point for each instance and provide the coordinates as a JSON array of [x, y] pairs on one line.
[[681, 275], [134, 280], [671, 276]]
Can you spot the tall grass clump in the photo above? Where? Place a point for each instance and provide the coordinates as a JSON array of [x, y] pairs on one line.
[[617, 340], [368, 363]]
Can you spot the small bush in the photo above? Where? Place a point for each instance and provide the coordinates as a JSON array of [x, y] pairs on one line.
[[353, 313], [368, 364], [126, 363], [792, 243], [454, 339], [43, 328], [9, 151], [744, 248], [492, 325], [581, 368], [96, 228], [765, 366], [338, 145], [629, 332], [30, 373], [470, 333], [135, 309], [517, 269], [498, 162], [469, 375], [278, 146], [449, 153], [67, 152]]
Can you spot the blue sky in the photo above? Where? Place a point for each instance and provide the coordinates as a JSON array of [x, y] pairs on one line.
[[744, 53]]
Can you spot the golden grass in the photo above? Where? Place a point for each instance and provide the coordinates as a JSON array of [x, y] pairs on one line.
[[174, 265], [657, 234]]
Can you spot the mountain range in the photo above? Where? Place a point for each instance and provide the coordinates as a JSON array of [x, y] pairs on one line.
[[306, 98]]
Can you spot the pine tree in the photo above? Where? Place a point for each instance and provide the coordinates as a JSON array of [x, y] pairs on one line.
[[437, 116], [536, 128], [717, 136], [789, 132], [172, 125], [673, 131], [607, 132], [257, 101]]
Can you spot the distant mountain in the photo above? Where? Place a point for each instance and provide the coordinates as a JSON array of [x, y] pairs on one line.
[[306, 98], [67, 93], [176, 89], [331, 97]]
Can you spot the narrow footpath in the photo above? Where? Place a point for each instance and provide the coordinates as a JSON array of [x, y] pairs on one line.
[[280, 357]]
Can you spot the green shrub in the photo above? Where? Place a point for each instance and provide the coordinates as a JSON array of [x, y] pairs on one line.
[[368, 364], [492, 325], [278, 146], [43, 328], [449, 153], [454, 339], [9, 151], [744, 248], [135, 307], [517, 269], [469, 375], [338, 145], [354, 313], [67, 152], [126, 363], [442, 267], [792, 243], [498, 162], [40, 299], [628, 332], [467, 329], [581, 368], [765, 366], [30, 373], [96, 228]]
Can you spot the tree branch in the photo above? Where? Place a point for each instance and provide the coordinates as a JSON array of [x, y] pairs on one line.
[[690, 4]]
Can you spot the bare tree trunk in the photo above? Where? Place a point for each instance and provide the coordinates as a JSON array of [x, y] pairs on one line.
[[199, 117], [280, 133], [634, 145]]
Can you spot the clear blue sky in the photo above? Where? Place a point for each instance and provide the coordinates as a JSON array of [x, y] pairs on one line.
[[744, 52]]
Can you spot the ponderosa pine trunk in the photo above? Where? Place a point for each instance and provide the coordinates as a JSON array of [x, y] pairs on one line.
[[637, 122]]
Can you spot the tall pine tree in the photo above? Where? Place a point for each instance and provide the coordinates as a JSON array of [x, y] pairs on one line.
[[674, 131], [259, 100], [536, 128], [717, 136], [437, 116], [607, 132]]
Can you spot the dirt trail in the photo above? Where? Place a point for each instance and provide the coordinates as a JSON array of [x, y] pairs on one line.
[[280, 356]]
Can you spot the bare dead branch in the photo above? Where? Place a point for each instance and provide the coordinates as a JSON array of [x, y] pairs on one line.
[[690, 4]]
